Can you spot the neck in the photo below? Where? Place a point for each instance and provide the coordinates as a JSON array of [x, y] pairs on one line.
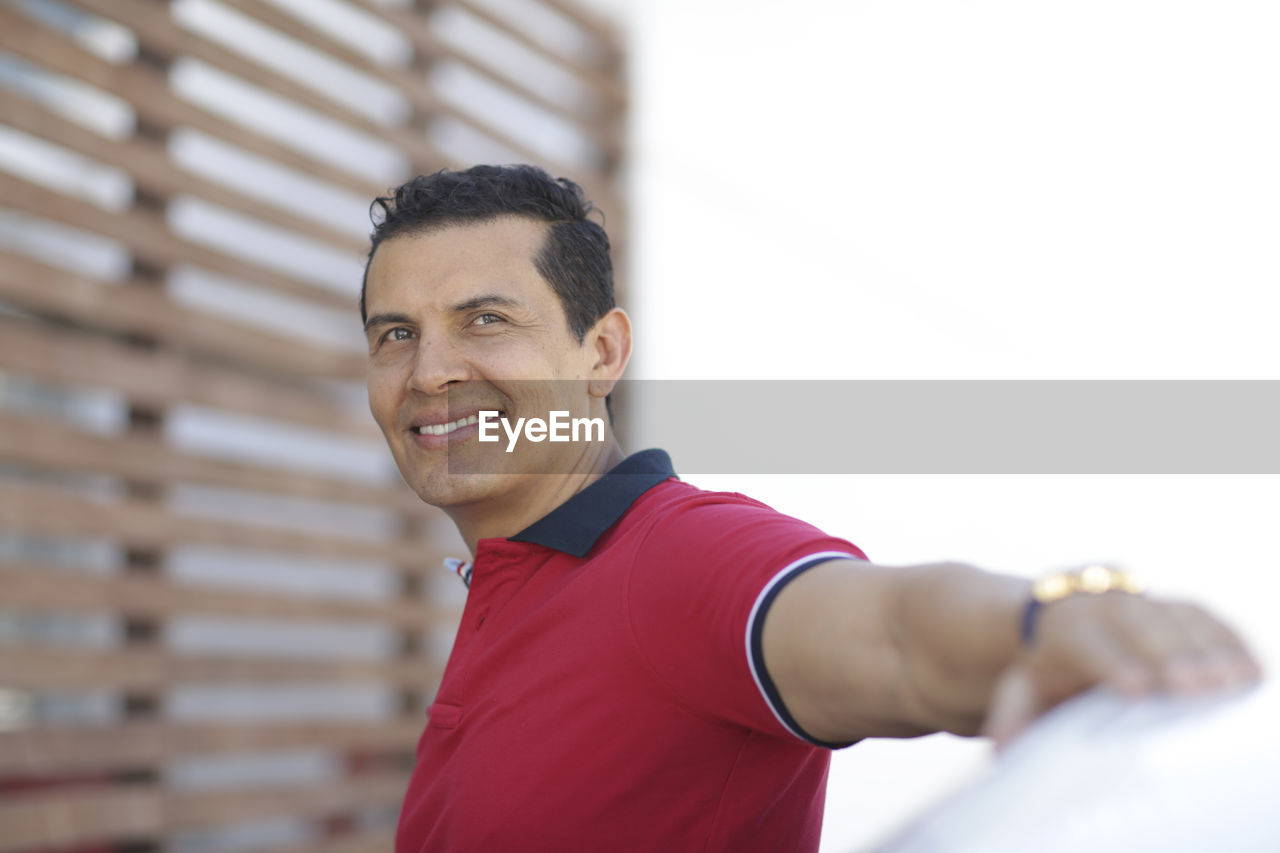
[[540, 494]]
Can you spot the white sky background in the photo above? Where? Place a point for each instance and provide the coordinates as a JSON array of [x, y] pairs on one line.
[[846, 190]]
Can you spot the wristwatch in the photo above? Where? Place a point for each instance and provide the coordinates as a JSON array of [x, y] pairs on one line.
[[1091, 580]]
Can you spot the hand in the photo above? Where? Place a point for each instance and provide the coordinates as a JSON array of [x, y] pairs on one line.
[[1135, 645]]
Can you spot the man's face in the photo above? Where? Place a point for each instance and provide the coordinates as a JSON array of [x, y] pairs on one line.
[[460, 321]]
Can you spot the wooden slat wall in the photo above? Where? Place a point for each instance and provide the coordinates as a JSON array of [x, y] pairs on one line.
[[150, 365]]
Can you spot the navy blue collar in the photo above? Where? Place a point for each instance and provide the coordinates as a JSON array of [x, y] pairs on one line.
[[575, 525]]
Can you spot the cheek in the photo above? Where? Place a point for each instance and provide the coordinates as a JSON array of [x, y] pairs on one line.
[[383, 396], [549, 362]]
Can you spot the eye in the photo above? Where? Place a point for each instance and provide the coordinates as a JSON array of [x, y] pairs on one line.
[[486, 319], [399, 333]]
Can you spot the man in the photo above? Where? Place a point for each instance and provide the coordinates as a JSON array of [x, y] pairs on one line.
[[642, 665]]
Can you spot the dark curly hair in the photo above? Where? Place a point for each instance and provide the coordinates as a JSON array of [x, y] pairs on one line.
[[574, 258]]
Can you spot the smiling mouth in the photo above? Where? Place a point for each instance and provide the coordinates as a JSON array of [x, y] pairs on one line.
[[445, 429], [452, 426]]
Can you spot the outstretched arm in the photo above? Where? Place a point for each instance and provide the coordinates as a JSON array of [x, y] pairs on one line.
[[859, 650]]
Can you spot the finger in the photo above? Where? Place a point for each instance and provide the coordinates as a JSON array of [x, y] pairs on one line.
[[1014, 706], [1159, 642], [1182, 647], [1219, 657]]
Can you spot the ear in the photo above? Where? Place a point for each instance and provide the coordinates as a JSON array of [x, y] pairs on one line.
[[610, 342]]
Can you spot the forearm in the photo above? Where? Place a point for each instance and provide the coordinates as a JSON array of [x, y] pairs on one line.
[[860, 650], [957, 630]]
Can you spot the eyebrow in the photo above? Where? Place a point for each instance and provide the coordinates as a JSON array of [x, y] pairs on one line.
[[386, 317], [487, 300]]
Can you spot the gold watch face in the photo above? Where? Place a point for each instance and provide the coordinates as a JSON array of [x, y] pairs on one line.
[[1053, 587], [1093, 579]]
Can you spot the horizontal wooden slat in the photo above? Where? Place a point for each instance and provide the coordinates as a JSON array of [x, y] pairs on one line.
[[33, 667], [155, 29], [190, 811], [600, 130], [32, 822], [99, 814], [414, 24], [586, 116], [148, 236], [69, 749], [140, 309], [301, 29], [586, 66], [65, 358], [35, 589], [605, 33], [148, 92], [150, 167], [41, 510], [44, 443], [582, 69]]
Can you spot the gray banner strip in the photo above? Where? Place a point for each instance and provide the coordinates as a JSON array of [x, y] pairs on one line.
[[958, 427]]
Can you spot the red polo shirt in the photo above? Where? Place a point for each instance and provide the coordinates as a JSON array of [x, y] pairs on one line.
[[606, 691]]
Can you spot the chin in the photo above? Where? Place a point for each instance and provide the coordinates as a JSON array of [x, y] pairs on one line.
[[448, 490], [471, 474]]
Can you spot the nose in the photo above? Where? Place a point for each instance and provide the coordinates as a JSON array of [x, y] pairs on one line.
[[437, 365]]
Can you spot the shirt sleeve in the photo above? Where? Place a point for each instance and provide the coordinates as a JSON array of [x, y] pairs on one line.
[[700, 588]]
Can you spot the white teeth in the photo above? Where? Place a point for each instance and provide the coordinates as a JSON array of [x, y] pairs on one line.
[[445, 429]]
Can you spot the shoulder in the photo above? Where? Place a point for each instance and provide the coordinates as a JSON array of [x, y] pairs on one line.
[[689, 533], [675, 511], [674, 500]]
